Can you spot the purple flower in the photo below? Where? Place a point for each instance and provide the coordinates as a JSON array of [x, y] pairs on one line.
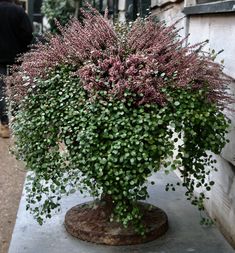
[[148, 57]]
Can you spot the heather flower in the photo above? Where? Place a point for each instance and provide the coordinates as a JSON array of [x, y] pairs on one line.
[[142, 59]]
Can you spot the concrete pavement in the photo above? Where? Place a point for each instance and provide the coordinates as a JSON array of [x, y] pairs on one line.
[[184, 235]]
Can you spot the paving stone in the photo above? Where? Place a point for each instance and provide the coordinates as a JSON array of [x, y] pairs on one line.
[[185, 234]]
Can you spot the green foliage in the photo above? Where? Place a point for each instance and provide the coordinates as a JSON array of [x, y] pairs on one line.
[[111, 146], [60, 10], [202, 128]]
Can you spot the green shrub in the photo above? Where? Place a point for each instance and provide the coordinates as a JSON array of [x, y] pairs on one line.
[[99, 110]]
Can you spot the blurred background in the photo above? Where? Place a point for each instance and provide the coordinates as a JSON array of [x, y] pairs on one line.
[[43, 12]]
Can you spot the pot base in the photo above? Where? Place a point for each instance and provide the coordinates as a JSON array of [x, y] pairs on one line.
[[90, 222]]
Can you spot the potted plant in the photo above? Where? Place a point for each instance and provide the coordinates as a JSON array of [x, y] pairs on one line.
[[101, 108]]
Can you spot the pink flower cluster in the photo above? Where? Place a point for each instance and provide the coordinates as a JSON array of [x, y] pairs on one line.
[[150, 57]]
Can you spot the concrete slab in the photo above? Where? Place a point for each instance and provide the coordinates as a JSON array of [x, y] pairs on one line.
[[184, 235]]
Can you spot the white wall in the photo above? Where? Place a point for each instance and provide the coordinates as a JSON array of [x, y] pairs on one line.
[[220, 30], [221, 205]]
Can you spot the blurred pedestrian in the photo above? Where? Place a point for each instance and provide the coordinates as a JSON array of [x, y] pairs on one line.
[[15, 36]]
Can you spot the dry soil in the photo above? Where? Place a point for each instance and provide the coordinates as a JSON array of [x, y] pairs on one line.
[[12, 177]]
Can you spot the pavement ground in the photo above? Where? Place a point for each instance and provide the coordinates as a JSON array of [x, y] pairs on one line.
[[12, 177], [185, 234]]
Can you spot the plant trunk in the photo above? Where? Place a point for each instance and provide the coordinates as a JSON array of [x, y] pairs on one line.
[[108, 205], [77, 8]]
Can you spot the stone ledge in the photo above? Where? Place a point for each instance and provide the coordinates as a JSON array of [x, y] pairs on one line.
[[163, 4], [211, 8]]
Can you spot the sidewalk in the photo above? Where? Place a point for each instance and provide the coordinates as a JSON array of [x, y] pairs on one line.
[[184, 235], [11, 183]]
